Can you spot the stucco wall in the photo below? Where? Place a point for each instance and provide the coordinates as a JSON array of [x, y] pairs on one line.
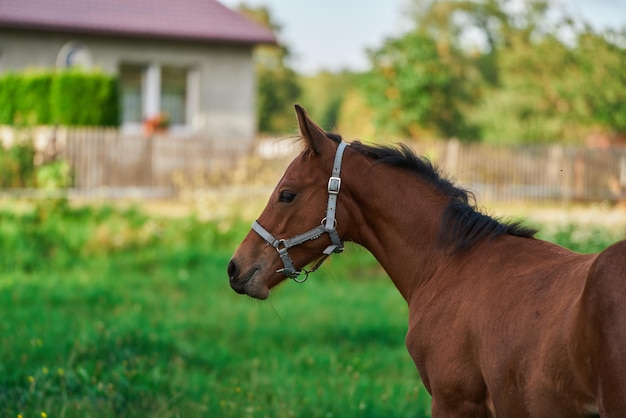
[[225, 99]]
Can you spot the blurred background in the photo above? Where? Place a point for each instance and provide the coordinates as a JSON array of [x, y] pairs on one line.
[[140, 139]]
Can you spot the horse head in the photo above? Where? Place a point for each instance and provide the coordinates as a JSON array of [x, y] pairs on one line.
[[301, 222]]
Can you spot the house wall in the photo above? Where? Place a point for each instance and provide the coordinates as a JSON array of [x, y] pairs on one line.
[[224, 74]]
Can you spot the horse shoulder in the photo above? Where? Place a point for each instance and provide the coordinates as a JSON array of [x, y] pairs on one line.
[[481, 338]]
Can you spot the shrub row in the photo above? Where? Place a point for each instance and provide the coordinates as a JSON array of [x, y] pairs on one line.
[[71, 98], [56, 234], [18, 169]]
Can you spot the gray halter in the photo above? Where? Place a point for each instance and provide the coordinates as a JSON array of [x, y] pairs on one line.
[[328, 225]]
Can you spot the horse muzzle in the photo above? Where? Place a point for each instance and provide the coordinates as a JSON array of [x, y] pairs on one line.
[[247, 283]]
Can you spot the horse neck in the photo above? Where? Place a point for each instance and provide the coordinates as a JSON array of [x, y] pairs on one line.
[[395, 215]]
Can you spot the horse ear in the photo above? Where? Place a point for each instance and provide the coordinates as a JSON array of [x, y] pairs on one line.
[[314, 136]]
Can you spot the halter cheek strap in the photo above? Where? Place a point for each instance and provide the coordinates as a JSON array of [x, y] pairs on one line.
[[328, 225]]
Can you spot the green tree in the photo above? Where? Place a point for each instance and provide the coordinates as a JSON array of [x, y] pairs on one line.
[[323, 95], [551, 90], [415, 90], [514, 71], [277, 83], [602, 60], [535, 98]]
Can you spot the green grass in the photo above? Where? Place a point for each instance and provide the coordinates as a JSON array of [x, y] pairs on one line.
[[111, 313]]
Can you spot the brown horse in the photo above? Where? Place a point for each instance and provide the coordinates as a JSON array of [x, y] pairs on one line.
[[500, 323]]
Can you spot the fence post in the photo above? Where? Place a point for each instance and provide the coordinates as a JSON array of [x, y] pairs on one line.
[[452, 155]]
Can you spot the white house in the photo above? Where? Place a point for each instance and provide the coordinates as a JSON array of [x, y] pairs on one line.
[[189, 59]]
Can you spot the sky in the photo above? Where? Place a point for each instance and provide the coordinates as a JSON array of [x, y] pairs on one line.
[[335, 34]]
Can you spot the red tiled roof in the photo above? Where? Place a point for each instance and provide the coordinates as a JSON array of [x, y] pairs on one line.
[[199, 20]]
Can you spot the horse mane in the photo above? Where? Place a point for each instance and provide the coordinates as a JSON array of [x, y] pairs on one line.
[[462, 224]]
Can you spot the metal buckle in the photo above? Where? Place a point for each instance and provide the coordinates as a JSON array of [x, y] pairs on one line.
[[334, 184]]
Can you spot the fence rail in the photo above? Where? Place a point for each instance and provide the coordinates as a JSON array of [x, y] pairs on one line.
[[537, 172], [107, 163]]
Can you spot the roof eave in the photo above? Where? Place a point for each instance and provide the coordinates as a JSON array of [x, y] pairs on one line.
[[269, 39]]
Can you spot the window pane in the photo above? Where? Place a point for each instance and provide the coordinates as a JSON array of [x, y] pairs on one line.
[[132, 102], [174, 94]]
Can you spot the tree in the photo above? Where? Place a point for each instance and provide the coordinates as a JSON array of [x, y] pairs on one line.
[[416, 90], [499, 70], [324, 93], [551, 89], [277, 83], [602, 59]]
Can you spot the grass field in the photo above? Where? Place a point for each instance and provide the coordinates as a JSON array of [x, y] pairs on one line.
[[113, 313]]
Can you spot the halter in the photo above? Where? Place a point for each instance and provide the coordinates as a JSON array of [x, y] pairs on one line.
[[328, 225]]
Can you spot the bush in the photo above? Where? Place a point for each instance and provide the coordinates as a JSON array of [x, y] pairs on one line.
[[32, 99], [18, 169], [17, 165], [83, 99], [54, 175], [8, 85], [70, 98]]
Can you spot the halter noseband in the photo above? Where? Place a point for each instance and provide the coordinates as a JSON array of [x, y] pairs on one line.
[[328, 225]]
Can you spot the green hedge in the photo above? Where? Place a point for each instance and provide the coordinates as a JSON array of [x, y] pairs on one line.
[[7, 93], [70, 98], [32, 99]]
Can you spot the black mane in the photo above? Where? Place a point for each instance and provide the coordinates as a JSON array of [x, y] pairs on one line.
[[462, 225]]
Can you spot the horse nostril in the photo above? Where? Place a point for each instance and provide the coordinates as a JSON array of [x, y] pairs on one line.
[[233, 271]]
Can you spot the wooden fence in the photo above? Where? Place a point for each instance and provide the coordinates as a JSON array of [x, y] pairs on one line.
[[537, 172], [108, 164], [515, 173]]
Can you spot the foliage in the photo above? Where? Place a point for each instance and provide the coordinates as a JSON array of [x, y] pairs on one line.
[[32, 98], [324, 93], [356, 118], [68, 98], [8, 85], [584, 239], [276, 93], [531, 101], [54, 175], [17, 166], [603, 81], [499, 71], [415, 91], [82, 99], [110, 312], [277, 83]]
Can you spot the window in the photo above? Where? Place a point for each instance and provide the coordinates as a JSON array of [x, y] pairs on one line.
[[131, 83], [150, 90], [174, 94]]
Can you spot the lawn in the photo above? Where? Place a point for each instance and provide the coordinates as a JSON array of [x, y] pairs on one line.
[[113, 313]]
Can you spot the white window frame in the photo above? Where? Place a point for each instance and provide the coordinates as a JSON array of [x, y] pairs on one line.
[[151, 99]]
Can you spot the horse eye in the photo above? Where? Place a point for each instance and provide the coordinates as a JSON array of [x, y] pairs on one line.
[[286, 196]]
